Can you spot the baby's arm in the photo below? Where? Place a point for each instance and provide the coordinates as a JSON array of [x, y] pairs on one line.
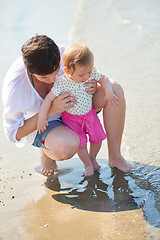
[[109, 96], [43, 112]]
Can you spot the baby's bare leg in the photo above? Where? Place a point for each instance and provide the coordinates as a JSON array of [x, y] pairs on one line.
[[94, 149], [84, 156]]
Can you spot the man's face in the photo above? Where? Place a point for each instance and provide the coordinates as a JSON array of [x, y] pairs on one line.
[[49, 78]]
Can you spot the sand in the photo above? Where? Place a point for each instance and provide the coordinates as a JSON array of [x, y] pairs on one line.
[[63, 207]]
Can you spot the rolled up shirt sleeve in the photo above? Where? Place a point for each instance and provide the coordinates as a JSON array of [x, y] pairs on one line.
[[13, 117], [20, 100]]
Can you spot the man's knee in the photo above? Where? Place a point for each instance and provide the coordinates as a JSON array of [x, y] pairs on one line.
[[65, 149], [69, 149], [117, 89]]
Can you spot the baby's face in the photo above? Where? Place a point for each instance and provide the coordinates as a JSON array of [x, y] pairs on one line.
[[81, 73]]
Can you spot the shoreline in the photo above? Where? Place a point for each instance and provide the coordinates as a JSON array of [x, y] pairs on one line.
[[38, 207]]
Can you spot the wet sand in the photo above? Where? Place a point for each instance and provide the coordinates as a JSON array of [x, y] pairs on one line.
[[110, 205], [69, 206]]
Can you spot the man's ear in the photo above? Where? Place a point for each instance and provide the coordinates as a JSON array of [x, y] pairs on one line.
[[66, 70]]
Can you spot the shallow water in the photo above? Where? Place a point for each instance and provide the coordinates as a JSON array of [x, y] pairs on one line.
[[109, 190], [125, 38]]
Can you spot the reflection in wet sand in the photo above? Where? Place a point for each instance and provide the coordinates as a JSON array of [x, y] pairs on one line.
[[109, 190], [93, 194], [106, 206]]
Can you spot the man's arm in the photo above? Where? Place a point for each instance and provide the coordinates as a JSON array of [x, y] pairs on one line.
[[60, 104], [109, 96]]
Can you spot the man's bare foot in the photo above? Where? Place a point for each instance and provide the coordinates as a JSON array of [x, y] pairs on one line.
[[89, 169], [48, 166], [95, 165], [120, 163]]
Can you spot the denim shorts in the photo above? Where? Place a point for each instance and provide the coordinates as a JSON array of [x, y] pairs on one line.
[[40, 137]]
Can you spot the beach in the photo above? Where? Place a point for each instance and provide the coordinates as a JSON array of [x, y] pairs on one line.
[[125, 39], [71, 206]]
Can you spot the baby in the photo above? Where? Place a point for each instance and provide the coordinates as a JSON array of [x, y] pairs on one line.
[[82, 118]]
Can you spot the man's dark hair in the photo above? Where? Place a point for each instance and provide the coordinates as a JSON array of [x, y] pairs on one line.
[[41, 55]]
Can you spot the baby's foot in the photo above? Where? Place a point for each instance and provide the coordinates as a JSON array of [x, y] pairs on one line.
[[95, 165], [89, 170], [48, 166]]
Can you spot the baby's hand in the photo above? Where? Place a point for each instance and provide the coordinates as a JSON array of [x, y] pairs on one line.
[[41, 125], [111, 99]]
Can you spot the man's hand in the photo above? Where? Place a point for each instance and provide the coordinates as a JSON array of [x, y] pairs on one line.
[[62, 103], [91, 86], [111, 99]]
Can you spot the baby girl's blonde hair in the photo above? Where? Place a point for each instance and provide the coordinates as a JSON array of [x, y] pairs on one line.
[[77, 53]]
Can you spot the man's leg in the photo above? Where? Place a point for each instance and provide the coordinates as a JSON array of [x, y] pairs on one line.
[[48, 165], [61, 143], [114, 118]]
